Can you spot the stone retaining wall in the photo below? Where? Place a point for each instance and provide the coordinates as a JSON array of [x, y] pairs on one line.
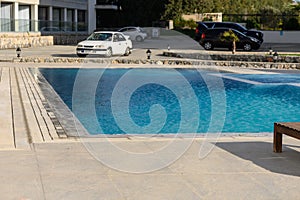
[[235, 57], [24, 40], [171, 62]]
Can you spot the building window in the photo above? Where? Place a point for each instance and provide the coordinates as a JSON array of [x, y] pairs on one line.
[[70, 15], [70, 25], [58, 18], [58, 14], [44, 22], [43, 13], [6, 17], [24, 18], [81, 19], [81, 16]]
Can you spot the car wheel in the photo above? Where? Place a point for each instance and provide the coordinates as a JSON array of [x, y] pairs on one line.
[[139, 38], [127, 52], [247, 47], [208, 46], [109, 52], [81, 55]]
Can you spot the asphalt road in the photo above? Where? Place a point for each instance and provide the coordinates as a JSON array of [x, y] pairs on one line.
[[183, 42]]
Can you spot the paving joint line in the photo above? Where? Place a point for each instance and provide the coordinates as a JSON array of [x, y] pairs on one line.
[[30, 101], [1, 73], [57, 125], [12, 108], [29, 136], [60, 131], [35, 95]]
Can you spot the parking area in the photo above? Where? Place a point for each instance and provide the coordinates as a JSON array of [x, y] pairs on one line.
[[173, 40]]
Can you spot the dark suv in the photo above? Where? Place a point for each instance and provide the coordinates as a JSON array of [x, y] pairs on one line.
[[205, 25], [210, 39]]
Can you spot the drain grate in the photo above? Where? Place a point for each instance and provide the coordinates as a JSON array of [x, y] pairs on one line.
[[57, 125]]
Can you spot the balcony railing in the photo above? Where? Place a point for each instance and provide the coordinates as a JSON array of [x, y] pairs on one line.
[[60, 26], [107, 4], [21, 25]]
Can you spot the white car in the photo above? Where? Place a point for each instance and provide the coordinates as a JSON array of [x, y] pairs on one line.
[[135, 33], [105, 43]]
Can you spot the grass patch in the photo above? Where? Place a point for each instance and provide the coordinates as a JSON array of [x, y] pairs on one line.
[[289, 54]]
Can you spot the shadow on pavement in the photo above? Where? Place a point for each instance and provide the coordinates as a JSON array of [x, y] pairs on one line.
[[67, 55], [261, 154]]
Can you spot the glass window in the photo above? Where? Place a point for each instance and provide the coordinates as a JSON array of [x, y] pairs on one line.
[[43, 13], [58, 14], [70, 15], [100, 36], [120, 37], [81, 16]]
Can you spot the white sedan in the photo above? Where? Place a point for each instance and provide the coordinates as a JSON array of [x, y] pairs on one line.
[[105, 43], [135, 33]]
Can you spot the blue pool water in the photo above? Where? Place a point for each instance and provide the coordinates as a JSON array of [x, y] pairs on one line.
[[171, 101]]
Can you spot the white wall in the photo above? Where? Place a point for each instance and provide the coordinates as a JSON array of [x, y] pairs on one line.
[[286, 37]]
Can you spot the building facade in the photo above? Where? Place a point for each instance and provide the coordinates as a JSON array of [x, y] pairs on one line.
[[39, 15], [67, 15], [18, 15]]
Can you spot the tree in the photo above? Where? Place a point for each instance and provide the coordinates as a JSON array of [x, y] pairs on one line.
[[270, 16], [173, 10], [230, 36]]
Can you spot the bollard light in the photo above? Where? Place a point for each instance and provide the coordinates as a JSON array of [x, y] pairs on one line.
[[148, 52], [270, 51], [18, 51], [275, 56]]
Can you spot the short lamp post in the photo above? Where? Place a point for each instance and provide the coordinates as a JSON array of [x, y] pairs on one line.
[[148, 52], [270, 51], [18, 51], [275, 56]]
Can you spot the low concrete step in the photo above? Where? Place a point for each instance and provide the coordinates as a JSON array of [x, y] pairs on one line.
[[6, 118]]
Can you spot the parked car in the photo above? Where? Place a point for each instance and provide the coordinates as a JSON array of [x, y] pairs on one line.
[[135, 33], [210, 39], [205, 25], [51, 29], [106, 43]]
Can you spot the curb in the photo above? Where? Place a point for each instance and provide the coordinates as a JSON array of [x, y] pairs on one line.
[[205, 60]]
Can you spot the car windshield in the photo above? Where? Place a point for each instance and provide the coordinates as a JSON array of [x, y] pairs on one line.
[[239, 33], [141, 29], [240, 27], [100, 36]]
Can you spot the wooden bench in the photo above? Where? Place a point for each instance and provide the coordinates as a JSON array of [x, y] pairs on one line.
[[288, 128]]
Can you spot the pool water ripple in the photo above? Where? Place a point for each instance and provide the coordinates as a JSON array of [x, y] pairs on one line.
[[253, 102]]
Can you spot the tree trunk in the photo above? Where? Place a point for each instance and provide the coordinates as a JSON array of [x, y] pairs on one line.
[[233, 46]]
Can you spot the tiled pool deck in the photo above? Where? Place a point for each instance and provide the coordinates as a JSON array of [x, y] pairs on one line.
[[38, 161]]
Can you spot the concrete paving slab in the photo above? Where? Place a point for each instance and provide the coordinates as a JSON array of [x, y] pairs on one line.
[[68, 171], [154, 186], [6, 115], [30, 117], [20, 126], [20, 176]]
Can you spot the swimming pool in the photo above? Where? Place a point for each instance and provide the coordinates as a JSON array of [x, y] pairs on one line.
[[151, 101]]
